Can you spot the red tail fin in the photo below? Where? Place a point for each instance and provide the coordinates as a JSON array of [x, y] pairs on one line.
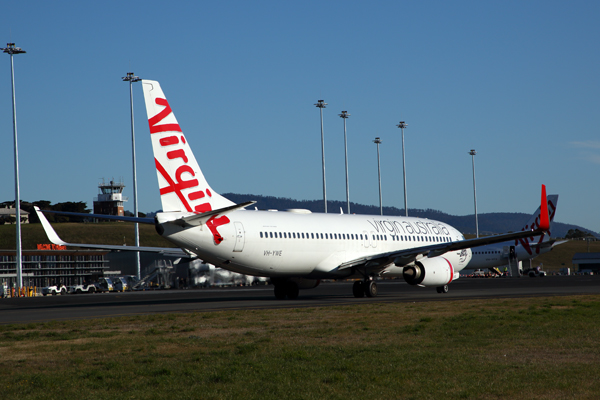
[[544, 219]]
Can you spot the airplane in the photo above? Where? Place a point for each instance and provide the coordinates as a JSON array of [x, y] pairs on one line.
[[296, 248], [502, 254]]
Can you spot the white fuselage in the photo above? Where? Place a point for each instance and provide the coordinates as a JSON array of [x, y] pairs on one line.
[[310, 245]]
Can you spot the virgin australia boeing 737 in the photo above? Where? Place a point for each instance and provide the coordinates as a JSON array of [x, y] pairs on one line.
[[295, 248]]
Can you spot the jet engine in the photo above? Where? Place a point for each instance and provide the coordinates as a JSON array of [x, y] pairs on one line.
[[436, 271]]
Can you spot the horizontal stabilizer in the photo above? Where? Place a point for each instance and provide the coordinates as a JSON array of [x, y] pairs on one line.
[[200, 219]]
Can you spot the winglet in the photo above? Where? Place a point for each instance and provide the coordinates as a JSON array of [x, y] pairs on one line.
[[544, 219], [50, 232]]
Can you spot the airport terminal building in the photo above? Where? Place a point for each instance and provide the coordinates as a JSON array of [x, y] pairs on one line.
[[587, 262], [51, 266]]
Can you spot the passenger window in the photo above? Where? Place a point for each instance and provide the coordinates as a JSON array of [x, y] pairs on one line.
[[261, 235], [312, 235]]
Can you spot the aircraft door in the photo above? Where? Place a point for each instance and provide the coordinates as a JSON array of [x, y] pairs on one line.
[[373, 239], [366, 242], [239, 237]]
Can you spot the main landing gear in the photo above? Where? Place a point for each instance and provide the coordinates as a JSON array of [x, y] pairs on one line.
[[287, 289], [366, 287], [442, 289]]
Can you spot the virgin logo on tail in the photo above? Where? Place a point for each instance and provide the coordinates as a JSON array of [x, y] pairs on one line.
[[172, 143], [535, 225], [174, 147]]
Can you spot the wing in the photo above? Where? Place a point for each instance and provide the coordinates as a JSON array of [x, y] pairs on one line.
[[54, 238], [378, 262]]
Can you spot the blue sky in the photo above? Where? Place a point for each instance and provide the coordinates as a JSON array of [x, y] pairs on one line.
[[517, 81]]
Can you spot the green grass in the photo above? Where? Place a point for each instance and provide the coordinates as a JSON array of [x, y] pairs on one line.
[[520, 349]]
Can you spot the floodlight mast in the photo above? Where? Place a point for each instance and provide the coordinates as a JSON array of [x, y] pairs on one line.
[[11, 50], [377, 141], [344, 115], [321, 105], [132, 78], [403, 125], [473, 153]]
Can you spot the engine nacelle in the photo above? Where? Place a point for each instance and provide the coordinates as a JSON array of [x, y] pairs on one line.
[[436, 271]]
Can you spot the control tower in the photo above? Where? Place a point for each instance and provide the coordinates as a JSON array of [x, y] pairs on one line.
[[110, 198]]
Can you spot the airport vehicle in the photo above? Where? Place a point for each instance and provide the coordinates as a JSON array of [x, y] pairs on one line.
[[53, 290], [500, 254], [534, 272], [120, 283], [78, 289], [104, 284], [296, 248]]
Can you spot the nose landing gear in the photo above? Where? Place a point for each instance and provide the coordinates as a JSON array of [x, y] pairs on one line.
[[366, 287]]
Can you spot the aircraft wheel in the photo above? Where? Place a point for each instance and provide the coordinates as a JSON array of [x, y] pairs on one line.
[[280, 292], [292, 290], [358, 289], [370, 288], [442, 289]]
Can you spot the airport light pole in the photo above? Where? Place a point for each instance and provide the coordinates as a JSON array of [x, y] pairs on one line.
[[377, 141], [472, 153], [344, 115], [321, 105], [132, 78], [11, 50], [403, 125]]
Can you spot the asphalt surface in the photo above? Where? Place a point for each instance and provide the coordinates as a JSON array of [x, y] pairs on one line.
[[102, 305]]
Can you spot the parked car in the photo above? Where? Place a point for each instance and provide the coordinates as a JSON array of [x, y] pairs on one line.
[[78, 289], [54, 290]]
